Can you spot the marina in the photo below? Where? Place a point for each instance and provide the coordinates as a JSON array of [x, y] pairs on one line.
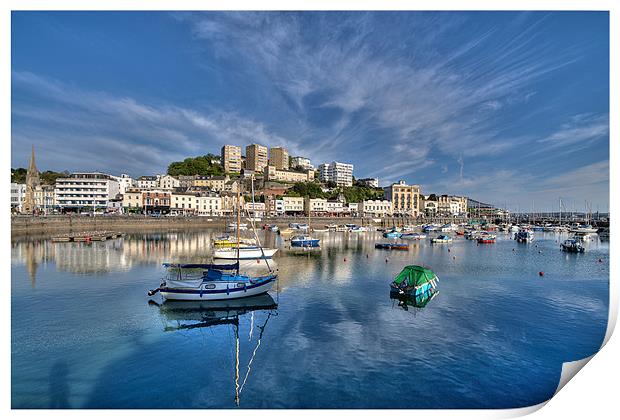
[[328, 308]]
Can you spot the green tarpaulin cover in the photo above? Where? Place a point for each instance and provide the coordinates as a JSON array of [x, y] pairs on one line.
[[414, 275]]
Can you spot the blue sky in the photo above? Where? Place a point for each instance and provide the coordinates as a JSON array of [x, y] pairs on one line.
[[506, 107]]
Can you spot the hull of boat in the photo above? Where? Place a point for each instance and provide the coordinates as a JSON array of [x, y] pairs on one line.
[[392, 235], [244, 254], [219, 290]]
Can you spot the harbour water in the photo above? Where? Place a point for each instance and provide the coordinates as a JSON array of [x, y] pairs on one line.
[[86, 335]]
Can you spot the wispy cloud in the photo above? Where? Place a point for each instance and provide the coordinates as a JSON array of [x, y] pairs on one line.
[[150, 135]]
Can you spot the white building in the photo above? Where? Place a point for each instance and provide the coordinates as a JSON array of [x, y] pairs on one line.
[[377, 208], [168, 182], [255, 209], [125, 182], [315, 206], [90, 191], [293, 205], [147, 182], [209, 205], [371, 182], [18, 192], [334, 207], [302, 162], [339, 173], [184, 203]]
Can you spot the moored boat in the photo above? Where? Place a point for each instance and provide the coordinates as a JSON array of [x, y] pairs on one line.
[[415, 236], [304, 241], [244, 253], [572, 245], [414, 280], [403, 247], [486, 238], [441, 239], [524, 236]]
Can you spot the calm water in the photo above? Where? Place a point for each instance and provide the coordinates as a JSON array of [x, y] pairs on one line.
[[84, 334]]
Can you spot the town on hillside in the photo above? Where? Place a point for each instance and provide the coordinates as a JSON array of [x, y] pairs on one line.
[[270, 182]]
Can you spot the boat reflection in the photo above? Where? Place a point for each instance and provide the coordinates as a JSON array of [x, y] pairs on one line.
[[407, 301], [188, 315]]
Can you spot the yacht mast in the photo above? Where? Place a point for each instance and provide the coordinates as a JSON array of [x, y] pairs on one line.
[[238, 225]]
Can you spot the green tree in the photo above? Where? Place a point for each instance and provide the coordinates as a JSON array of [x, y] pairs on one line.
[[200, 165], [18, 175]]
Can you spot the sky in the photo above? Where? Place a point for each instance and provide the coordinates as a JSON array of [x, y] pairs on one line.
[[510, 108]]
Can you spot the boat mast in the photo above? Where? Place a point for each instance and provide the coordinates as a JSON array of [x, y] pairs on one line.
[[238, 224]]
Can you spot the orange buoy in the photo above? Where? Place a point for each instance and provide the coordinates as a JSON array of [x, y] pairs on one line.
[[541, 273], [257, 261]]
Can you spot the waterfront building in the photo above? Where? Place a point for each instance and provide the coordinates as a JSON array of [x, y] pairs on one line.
[[18, 193], [256, 158], [377, 208], [274, 206], [449, 205], [301, 162], [370, 182], [125, 182], [33, 182], [274, 174], [334, 207], [132, 200], [231, 158], [147, 182], [353, 209], [209, 204], [256, 209], [339, 173], [183, 202], [156, 201], [168, 182], [216, 183], [429, 205], [405, 199], [315, 206], [115, 205], [44, 198], [293, 205], [88, 190], [230, 203], [278, 157]]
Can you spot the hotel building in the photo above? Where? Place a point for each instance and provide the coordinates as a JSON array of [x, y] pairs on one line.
[[405, 199], [89, 190]]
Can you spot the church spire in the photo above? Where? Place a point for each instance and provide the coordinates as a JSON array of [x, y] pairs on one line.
[[32, 168]]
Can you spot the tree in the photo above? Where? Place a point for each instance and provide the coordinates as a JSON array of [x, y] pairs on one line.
[[200, 165], [18, 175]]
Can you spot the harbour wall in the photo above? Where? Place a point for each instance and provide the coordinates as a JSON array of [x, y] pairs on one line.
[[48, 225]]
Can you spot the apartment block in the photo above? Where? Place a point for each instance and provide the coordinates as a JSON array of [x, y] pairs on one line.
[[339, 173], [231, 158], [278, 157], [256, 157]]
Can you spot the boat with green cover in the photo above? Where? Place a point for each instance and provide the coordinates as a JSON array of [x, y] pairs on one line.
[[415, 280]]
